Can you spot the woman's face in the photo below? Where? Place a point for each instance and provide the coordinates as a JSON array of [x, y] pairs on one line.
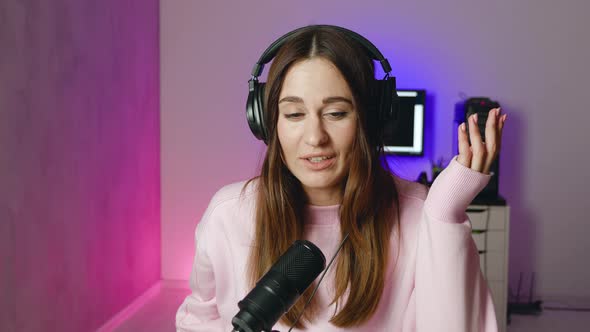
[[316, 128]]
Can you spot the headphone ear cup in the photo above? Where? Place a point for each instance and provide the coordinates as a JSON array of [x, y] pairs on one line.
[[394, 106], [261, 114], [255, 110], [387, 100]]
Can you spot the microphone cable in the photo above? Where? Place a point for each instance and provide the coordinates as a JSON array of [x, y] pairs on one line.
[[319, 281]]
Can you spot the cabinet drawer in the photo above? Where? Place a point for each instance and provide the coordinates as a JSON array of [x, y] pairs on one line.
[[495, 241], [487, 217], [479, 217], [482, 264], [480, 240], [490, 240], [494, 266]]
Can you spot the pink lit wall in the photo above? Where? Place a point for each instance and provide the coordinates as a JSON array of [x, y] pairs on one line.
[[530, 55], [79, 161]]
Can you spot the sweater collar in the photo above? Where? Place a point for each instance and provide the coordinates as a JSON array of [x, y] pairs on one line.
[[323, 215]]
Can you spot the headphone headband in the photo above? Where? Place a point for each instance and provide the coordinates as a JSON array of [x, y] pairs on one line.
[[272, 50], [386, 96]]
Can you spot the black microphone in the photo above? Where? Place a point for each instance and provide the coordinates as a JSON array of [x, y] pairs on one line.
[[279, 288]]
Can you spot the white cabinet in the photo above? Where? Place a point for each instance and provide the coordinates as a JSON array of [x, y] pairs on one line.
[[490, 227]]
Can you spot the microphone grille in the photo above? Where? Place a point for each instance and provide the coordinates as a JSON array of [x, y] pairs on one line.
[[301, 264]]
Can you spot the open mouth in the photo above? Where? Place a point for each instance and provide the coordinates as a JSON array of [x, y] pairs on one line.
[[319, 163], [318, 159]]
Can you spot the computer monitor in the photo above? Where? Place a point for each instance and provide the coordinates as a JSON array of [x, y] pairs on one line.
[[406, 136]]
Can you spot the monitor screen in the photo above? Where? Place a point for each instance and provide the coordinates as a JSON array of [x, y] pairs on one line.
[[406, 136]]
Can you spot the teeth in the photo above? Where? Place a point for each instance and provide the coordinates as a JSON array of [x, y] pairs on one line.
[[317, 159]]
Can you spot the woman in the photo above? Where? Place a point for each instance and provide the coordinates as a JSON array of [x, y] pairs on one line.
[[409, 264]]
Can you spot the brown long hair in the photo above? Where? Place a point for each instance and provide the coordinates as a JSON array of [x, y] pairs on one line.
[[368, 212]]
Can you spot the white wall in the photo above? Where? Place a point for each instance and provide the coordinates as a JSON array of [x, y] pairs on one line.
[[531, 56]]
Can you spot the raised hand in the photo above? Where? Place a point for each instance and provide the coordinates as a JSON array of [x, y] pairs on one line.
[[483, 151]]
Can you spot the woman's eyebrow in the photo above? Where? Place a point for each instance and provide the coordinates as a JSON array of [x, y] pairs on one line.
[[291, 99], [327, 100], [336, 100]]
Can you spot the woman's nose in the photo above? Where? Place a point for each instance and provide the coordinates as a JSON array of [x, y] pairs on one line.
[[315, 133]]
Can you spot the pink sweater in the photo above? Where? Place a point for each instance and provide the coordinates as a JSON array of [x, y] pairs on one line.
[[435, 285]]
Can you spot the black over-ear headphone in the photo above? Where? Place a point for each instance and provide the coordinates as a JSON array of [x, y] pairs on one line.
[[387, 103]]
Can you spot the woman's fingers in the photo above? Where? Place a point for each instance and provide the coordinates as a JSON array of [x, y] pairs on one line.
[[501, 124], [501, 121], [478, 147], [464, 157], [482, 153], [492, 139]]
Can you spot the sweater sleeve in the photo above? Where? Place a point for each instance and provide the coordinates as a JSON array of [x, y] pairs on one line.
[[450, 291], [198, 312]]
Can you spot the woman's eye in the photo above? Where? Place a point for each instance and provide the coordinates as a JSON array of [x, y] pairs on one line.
[[337, 115], [293, 115]]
